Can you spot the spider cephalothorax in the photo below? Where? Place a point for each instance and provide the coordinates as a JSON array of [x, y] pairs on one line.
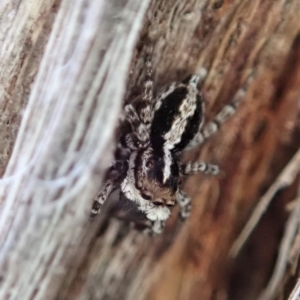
[[146, 183], [151, 141]]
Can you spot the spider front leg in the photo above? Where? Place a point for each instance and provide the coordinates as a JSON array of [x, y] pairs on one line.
[[193, 167], [184, 202], [114, 175], [101, 197], [154, 228]]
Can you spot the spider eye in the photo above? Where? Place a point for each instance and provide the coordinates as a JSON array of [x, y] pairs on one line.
[[169, 203], [158, 203], [146, 196]]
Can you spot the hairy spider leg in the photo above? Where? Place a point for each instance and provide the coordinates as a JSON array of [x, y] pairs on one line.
[[101, 197], [184, 201], [131, 142], [139, 134], [146, 112], [154, 228], [212, 127], [115, 174], [193, 167], [139, 122]]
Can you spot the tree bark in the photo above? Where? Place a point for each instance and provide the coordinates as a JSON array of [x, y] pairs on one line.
[[79, 54]]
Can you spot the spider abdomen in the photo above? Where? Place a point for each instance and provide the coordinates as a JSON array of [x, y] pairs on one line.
[[177, 117]]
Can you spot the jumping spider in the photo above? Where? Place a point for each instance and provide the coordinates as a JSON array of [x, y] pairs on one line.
[[147, 163]]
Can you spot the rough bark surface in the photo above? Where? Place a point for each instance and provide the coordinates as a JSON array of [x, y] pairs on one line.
[[49, 247], [25, 27]]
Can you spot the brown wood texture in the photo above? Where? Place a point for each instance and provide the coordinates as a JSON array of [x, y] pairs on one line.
[[50, 248]]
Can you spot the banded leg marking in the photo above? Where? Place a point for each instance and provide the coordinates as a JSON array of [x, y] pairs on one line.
[[193, 167], [155, 228], [131, 116], [134, 120], [184, 202], [146, 113], [131, 142], [212, 127], [102, 196]]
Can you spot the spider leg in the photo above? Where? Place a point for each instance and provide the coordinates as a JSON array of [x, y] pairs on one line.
[[131, 116], [146, 112], [131, 142], [137, 126], [212, 127], [101, 197], [114, 175], [154, 228], [193, 167], [184, 202]]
